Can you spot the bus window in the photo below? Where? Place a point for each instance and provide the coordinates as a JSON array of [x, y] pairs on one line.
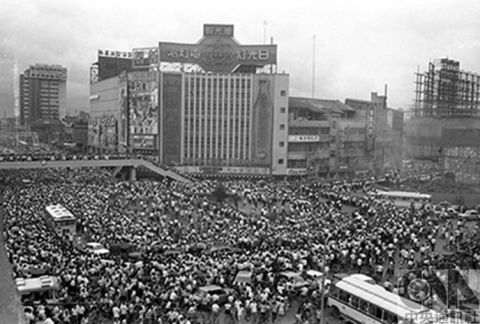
[[375, 311], [344, 296], [355, 302], [389, 318], [364, 305]]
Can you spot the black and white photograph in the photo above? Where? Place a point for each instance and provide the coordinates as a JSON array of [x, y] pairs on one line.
[[239, 162]]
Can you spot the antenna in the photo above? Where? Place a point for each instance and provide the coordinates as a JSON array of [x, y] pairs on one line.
[[264, 32], [313, 67]]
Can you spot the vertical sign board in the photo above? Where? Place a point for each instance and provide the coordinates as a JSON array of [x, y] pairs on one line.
[[143, 109], [370, 125], [123, 102], [172, 114], [262, 124]]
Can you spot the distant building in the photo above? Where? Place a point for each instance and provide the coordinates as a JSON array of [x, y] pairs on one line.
[[217, 107], [328, 137], [445, 126], [43, 93], [446, 91]]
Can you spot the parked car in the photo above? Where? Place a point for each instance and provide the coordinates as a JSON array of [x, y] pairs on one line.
[[222, 293], [471, 214], [96, 248]]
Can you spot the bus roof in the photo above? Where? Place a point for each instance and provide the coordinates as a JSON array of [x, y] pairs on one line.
[[58, 212], [43, 283], [403, 194], [365, 287]]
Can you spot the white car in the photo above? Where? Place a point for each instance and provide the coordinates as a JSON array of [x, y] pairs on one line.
[[471, 214], [96, 248]]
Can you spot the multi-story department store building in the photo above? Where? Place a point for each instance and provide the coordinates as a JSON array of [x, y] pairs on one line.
[[213, 107]]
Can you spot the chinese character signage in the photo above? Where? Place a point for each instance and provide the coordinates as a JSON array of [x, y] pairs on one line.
[[218, 51], [218, 30], [304, 138], [144, 57], [370, 123], [93, 73], [114, 54], [296, 171], [144, 142]]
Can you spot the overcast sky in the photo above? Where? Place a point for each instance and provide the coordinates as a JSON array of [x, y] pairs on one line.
[[360, 45]]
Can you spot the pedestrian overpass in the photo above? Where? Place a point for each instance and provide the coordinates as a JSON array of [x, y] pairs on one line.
[[119, 165]]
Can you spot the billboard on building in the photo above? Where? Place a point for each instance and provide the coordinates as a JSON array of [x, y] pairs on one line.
[[262, 123], [143, 112], [123, 122], [172, 115], [112, 63], [144, 57], [218, 51], [108, 126], [93, 133], [93, 73]]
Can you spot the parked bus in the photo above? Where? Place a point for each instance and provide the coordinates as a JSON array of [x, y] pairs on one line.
[[404, 199], [358, 299], [61, 220], [40, 289]]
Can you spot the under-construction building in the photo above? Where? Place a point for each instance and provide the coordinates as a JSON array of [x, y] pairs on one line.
[[445, 126], [446, 91]]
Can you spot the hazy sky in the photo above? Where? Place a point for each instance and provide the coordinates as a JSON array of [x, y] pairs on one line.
[[361, 45]]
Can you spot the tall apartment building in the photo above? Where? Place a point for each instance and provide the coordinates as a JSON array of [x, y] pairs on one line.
[[43, 93]]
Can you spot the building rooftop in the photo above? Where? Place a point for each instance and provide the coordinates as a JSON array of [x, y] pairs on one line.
[[319, 105]]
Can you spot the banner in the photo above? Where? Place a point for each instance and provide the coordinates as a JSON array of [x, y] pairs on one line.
[[144, 57], [296, 172], [143, 103], [144, 142], [304, 138]]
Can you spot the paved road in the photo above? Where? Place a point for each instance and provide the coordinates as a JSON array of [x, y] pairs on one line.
[[10, 305]]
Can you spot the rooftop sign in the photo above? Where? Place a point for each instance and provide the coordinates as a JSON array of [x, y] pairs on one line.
[[218, 51]]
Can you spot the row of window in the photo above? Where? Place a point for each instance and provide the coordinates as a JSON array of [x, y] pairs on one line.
[[364, 306]]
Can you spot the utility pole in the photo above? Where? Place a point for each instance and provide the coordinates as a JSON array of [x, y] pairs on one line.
[[313, 67]]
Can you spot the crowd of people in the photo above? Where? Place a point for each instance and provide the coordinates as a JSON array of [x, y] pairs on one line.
[[187, 239]]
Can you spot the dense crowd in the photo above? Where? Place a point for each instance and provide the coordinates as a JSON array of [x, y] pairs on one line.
[[187, 240]]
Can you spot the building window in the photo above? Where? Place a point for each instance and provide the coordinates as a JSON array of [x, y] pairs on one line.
[[282, 126], [282, 110], [283, 93], [280, 161], [281, 144]]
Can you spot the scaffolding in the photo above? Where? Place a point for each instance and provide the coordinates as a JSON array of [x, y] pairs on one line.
[[446, 91]]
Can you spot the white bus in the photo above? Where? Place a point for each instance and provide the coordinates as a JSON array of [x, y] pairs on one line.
[[404, 199], [38, 289], [61, 220], [358, 299]]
